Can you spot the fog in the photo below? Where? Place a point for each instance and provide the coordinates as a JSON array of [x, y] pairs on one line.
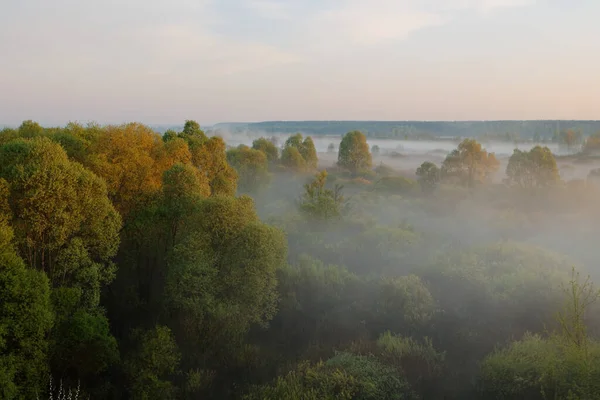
[[298, 273]]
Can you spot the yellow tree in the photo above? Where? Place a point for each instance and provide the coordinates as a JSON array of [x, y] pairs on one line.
[[125, 157], [211, 158]]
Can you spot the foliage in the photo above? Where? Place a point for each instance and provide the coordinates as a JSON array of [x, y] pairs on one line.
[[299, 153], [292, 159], [65, 224], [25, 321], [129, 268], [354, 152], [565, 365], [469, 164], [251, 166], [429, 176], [395, 185], [268, 148], [320, 203], [152, 364], [345, 376], [533, 169]]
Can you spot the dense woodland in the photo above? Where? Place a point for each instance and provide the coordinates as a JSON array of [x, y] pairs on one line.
[[139, 265]]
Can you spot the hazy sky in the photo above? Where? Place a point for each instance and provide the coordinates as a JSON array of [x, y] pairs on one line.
[[163, 61]]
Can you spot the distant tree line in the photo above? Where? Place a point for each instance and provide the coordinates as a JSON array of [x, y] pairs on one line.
[[539, 130]]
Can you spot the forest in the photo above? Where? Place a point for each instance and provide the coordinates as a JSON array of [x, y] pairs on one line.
[[537, 130], [144, 265]]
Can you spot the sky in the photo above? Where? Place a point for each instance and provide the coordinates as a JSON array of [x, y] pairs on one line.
[[164, 61]]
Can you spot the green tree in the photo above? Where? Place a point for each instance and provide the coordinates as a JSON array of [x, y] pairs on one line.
[[221, 281], [470, 164], [331, 148], [309, 153], [30, 129], [169, 135], [267, 147], [429, 176], [25, 319], [564, 365], [294, 141], [299, 153], [82, 345], [320, 203], [191, 129], [291, 158], [354, 152], [252, 168], [531, 169], [152, 364]]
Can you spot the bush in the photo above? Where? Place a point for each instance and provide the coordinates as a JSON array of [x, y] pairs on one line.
[[344, 377]]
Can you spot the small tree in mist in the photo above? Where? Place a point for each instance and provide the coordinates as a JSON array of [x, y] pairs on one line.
[[251, 166], [580, 296], [309, 152], [267, 147], [320, 203], [292, 159], [570, 138], [331, 148], [299, 153], [375, 150], [470, 164], [354, 152], [592, 144], [428, 175]]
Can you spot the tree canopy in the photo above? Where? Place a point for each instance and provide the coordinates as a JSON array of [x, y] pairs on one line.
[[354, 153]]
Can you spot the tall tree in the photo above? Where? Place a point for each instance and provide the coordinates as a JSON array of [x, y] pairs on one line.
[[354, 152]]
